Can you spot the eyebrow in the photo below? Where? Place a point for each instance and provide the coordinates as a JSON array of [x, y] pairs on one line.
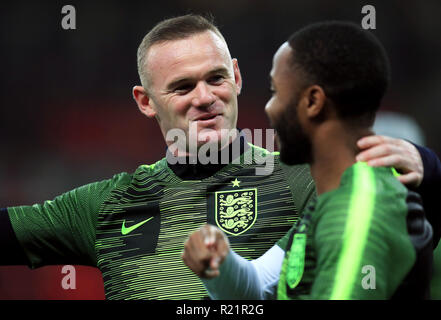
[[176, 82]]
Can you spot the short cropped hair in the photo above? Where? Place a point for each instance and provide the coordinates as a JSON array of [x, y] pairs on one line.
[[172, 29], [349, 63]]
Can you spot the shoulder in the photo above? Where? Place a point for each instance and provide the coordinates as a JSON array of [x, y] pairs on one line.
[[151, 169], [297, 173], [365, 189], [262, 151], [370, 197], [117, 180], [258, 155]]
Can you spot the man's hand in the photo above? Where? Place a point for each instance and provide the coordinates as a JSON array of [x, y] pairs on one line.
[[205, 250], [382, 151]]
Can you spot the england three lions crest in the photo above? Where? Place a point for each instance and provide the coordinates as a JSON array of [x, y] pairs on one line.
[[236, 210]]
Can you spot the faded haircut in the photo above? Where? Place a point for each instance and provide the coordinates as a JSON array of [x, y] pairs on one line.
[[349, 63]]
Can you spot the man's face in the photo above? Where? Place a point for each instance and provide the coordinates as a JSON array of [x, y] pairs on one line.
[[294, 145], [194, 81]]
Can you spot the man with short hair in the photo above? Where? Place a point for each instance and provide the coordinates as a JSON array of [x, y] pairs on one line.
[[328, 80], [133, 226]]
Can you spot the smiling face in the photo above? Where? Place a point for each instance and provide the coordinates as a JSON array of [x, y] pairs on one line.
[[282, 109], [192, 82]]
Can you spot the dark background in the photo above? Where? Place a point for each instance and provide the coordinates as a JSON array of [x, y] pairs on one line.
[[67, 117]]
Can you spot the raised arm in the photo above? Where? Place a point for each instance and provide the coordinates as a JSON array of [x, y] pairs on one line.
[[58, 231]]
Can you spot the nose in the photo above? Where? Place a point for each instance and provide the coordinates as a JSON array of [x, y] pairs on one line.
[[203, 97], [268, 106]]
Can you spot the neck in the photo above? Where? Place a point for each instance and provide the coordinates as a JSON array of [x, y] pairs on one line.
[[191, 147], [335, 148], [187, 169]]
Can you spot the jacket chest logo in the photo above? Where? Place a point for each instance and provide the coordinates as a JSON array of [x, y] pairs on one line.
[[236, 210]]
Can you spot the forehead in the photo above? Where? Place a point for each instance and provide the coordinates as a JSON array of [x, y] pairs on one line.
[[282, 61], [194, 52]]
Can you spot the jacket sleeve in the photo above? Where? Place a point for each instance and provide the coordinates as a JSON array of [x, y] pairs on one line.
[[430, 190], [62, 230]]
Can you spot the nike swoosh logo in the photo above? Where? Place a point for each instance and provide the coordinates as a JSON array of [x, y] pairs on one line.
[[125, 230]]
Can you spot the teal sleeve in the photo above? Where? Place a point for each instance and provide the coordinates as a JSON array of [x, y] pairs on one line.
[[62, 230], [353, 263]]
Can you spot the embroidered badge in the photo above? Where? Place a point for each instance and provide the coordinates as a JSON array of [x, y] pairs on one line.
[[236, 210]]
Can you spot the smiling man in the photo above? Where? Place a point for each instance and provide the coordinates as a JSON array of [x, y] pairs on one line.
[[190, 83], [133, 226]]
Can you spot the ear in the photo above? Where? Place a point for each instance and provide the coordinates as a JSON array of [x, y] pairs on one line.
[[144, 102], [314, 98], [237, 75]]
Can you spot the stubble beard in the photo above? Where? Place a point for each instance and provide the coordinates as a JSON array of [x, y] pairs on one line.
[[294, 144]]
